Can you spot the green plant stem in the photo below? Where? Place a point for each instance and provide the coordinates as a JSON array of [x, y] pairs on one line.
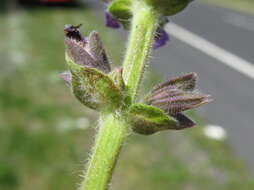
[[114, 128], [109, 140], [144, 24]]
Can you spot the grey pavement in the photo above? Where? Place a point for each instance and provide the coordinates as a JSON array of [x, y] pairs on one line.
[[233, 92]]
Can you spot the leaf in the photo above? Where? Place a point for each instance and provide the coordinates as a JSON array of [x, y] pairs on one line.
[[148, 120], [94, 88]]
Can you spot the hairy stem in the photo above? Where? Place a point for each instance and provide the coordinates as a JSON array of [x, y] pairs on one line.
[[109, 140], [114, 128], [144, 24]]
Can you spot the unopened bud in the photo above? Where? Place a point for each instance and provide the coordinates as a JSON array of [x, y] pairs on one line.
[[84, 51], [89, 71]]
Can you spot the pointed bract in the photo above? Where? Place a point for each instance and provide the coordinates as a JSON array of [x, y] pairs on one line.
[[185, 82], [86, 52], [98, 51], [77, 52], [179, 103], [166, 92]]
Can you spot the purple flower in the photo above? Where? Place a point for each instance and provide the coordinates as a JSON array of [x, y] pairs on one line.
[[111, 21], [160, 39]]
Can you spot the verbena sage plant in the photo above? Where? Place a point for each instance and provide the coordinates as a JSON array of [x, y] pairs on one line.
[[112, 92]]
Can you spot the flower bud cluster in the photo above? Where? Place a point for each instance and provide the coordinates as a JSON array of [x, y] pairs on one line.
[[89, 75], [165, 104], [99, 88]]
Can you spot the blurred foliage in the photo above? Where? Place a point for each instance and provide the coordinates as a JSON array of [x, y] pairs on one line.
[[43, 142]]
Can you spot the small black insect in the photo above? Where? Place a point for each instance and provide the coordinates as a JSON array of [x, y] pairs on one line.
[[73, 32]]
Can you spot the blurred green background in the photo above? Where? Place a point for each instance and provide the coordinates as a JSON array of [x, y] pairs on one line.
[[45, 134]]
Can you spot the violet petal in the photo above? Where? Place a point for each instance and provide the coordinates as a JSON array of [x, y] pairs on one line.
[[111, 21], [161, 38]]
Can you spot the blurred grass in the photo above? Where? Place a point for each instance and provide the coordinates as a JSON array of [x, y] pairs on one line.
[[43, 142], [238, 5]]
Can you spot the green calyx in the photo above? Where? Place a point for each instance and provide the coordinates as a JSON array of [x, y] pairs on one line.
[[123, 9], [147, 120], [94, 88], [168, 7]]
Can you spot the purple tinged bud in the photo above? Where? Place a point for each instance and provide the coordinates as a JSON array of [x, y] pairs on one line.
[[185, 82], [176, 95], [176, 104], [165, 93], [111, 21], [98, 52], [66, 76], [160, 39], [88, 52]]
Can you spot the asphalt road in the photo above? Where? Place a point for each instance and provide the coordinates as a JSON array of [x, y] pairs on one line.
[[233, 92]]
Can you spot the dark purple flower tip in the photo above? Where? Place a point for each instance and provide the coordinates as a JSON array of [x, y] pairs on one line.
[[111, 21], [161, 38], [66, 76], [183, 121]]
